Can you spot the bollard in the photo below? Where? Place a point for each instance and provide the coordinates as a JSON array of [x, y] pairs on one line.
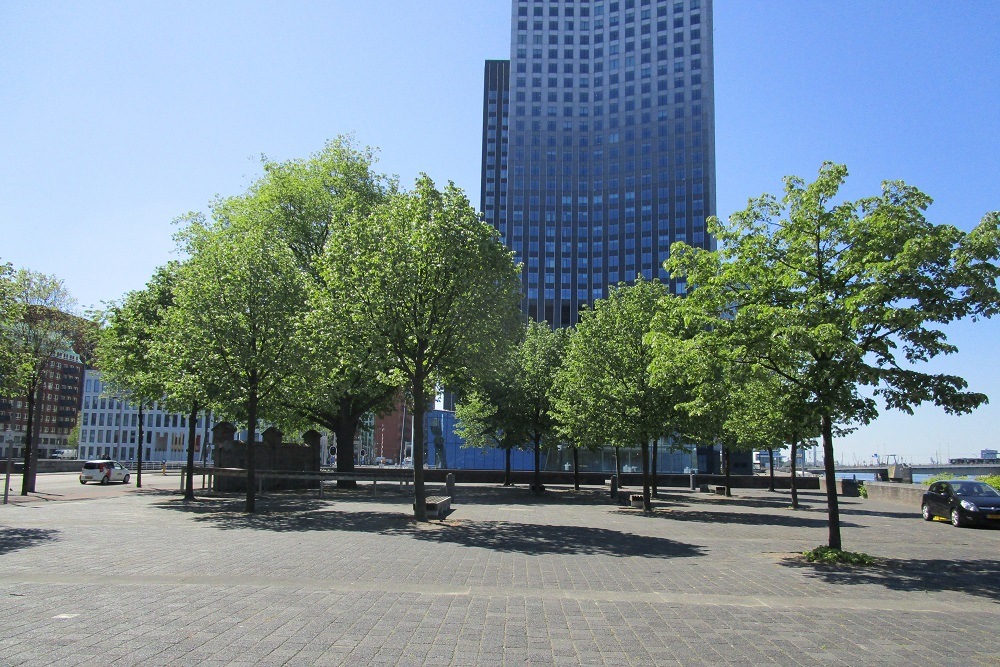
[[693, 485], [449, 482], [614, 486]]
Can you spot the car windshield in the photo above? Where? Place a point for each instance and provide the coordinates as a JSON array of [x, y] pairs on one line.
[[973, 489]]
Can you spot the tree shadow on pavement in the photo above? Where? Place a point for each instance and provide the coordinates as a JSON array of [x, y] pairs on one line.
[[535, 539], [15, 539], [297, 514], [742, 518], [980, 577], [889, 515]]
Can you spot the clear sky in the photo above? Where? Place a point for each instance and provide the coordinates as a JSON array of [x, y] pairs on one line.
[[116, 117]]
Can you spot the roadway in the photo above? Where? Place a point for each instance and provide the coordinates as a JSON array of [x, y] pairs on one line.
[[63, 486]]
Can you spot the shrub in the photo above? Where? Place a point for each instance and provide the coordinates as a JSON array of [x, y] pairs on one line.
[[837, 556], [992, 480], [942, 477]]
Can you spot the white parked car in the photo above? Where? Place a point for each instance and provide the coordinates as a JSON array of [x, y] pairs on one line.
[[104, 471]]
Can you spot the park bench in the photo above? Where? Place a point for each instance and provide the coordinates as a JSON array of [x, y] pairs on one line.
[[438, 506]]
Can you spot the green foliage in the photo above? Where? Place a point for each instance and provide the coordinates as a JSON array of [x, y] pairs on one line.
[[125, 347], [831, 556], [512, 406], [992, 480], [235, 302], [306, 201], [834, 297], [46, 325], [430, 281], [347, 371], [942, 477], [11, 313], [862, 490], [607, 394]]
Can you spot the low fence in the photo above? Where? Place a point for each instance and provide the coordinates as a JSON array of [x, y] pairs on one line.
[[894, 492]]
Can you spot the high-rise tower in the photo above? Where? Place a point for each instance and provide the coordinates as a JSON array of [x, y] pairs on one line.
[[599, 144]]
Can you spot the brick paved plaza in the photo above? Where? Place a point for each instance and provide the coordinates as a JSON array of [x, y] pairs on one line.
[[138, 577]]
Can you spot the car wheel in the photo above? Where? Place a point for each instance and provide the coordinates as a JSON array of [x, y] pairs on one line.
[[925, 512], [104, 480], [956, 519], [83, 481], [125, 480]]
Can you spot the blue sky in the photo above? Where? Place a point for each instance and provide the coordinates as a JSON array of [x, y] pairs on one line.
[[116, 117]]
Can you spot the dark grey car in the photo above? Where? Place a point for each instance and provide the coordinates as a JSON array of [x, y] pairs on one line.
[[964, 502]]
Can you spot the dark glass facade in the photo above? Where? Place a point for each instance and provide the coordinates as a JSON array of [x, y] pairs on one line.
[[599, 144]]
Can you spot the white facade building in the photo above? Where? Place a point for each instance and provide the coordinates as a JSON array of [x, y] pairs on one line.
[[109, 427]]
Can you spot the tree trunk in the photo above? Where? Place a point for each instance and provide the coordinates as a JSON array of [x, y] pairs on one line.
[[833, 508], [419, 493], [618, 465], [770, 456], [192, 434], [576, 468], [346, 429], [27, 476], [506, 468], [537, 485], [725, 460], [647, 505], [138, 459], [655, 475], [204, 440], [795, 490], [251, 505]]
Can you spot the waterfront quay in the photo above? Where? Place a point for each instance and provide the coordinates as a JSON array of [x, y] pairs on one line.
[[139, 577]]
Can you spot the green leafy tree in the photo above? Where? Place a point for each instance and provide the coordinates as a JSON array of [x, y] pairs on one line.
[[126, 341], [46, 326], [309, 200], [347, 374], [237, 298], [432, 281], [836, 297], [11, 314], [515, 404], [483, 421], [607, 393]]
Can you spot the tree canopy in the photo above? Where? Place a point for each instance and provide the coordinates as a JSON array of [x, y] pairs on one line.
[[126, 348], [606, 390], [237, 299], [513, 406], [431, 280], [836, 296]]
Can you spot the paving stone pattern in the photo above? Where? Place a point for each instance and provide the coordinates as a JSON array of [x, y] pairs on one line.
[[142, 578]]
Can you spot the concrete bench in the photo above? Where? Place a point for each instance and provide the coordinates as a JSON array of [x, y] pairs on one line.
[[438, 506], [720, 490]]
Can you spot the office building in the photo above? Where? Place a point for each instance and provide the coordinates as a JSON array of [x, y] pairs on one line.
[[56, 408], [109, 427], [599, 144]]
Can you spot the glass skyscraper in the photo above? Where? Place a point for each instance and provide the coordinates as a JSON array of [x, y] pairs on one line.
[[599, 144]]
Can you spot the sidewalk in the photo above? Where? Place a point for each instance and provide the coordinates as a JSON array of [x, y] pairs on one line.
[[506, 579]]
